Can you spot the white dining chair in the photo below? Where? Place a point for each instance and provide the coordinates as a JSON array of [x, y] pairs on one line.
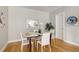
[[45, 40], [24, 41]]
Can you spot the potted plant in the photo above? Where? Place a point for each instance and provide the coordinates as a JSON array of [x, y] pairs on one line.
[[49, 26]]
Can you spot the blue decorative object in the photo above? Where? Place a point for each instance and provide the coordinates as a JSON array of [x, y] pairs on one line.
[[72, 20]]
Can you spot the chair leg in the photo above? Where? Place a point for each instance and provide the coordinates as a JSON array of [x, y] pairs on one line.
[[41, 48], [37, 47], [32, 47], [21, 48], [49, 48]]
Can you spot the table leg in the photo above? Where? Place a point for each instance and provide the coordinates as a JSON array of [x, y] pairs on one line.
[[30, 43], [50, 38]]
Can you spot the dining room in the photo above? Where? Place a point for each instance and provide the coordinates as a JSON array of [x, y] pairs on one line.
[[37, 29], [34, 23]]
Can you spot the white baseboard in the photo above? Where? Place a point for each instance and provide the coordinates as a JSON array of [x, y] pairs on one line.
[[4, 47], [71, 43], [13, 41], [7, 44]]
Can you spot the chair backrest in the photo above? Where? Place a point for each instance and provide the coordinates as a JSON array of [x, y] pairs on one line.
[[22, 36], [45, 40]]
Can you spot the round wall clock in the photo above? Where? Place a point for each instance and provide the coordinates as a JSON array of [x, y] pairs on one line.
[[72, 20]]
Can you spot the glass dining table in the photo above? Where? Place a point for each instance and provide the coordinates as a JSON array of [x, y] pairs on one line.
[[31, 35]]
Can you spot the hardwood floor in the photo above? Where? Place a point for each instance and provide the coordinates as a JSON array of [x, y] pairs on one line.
[[56, 46]]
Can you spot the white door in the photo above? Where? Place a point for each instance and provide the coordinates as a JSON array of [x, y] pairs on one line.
[[60, 25]]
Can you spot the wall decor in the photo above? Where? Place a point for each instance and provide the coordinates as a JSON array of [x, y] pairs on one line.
[[1, 20], [78, 20], [72, 20]]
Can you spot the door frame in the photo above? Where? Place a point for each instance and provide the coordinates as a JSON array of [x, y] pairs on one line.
[[63, 24]]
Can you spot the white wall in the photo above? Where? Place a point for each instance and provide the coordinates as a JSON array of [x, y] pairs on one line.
[[17, 20], [18, 15], [52, 14], [53, 18], [71, 32], [4, 31]]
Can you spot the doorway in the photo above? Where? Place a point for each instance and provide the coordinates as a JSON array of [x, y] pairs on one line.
[[60, 25]]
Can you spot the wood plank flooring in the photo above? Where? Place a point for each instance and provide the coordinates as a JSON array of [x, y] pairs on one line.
[[56, 46]]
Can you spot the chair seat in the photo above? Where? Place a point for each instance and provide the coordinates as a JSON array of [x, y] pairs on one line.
[[25, 42]]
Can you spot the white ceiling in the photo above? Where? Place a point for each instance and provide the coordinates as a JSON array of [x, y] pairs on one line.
[[44, 8]]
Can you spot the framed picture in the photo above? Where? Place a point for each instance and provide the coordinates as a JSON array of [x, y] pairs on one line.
[[2, 20], [72, 20]]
